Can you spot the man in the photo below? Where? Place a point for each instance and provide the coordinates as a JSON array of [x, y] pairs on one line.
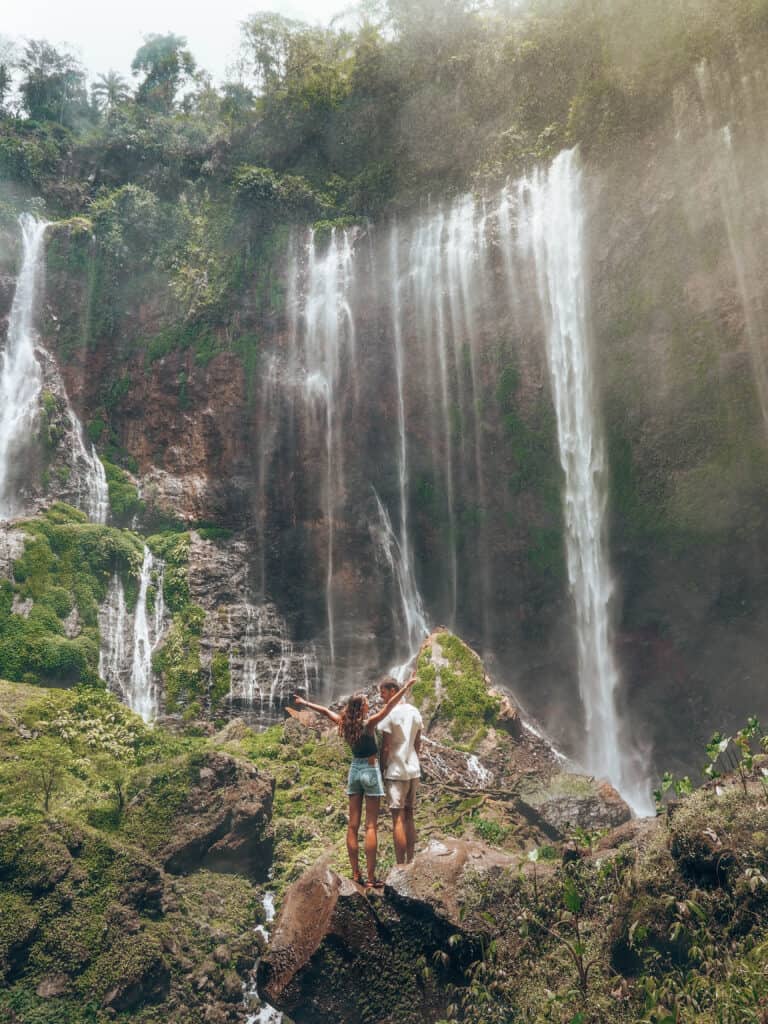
[[401, 743]]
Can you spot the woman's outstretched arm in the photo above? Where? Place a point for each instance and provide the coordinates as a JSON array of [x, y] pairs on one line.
[[320, 708], [382, 713]]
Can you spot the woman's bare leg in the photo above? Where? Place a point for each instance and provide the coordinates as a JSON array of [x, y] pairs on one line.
[[371, 835], [353, 848]]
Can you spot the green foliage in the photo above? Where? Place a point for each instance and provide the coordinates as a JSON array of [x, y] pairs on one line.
[[44, 765], [166, 64], [275, 195], [52, 85], [173, 548], [66, 564], [178, 660], [455, 693], [30, 153], [220, 678], [735, 753], [124, 500]]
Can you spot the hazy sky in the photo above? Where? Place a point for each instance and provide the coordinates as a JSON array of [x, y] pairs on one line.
[[107, 36]]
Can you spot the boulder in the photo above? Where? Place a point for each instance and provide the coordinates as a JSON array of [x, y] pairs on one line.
[[435, 878], [339, 953], [52, 986], [566, 801]]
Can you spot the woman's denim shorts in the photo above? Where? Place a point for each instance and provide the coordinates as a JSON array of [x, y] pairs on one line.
[[364, 779]]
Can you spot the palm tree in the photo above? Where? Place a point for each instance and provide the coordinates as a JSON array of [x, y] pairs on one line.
[[109, 91]]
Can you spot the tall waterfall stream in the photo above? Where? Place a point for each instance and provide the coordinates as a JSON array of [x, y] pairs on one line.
[[20, 374]]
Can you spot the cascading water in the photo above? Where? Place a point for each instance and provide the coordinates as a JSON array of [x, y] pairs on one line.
[[141, 693], [424, 263], [115, 638], [93, 492], [324, 342], [738, 211], [412, 607], [129, 639], [398, 552], [449, 290], [551, 228], [256, 682], [20, 375], [21, 381]]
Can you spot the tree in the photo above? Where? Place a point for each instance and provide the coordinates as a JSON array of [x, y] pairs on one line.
[[109, 91], [53, 84], [45, 762], [7, 64], [167, 65], [267, 42]]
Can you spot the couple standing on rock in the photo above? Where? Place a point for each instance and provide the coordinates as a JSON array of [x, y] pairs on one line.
[[400, 727]]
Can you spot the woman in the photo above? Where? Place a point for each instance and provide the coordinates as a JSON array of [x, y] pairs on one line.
[[356, 726]]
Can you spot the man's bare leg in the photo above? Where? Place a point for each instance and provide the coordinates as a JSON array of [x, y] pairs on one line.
[[400, 836], [410, 834]]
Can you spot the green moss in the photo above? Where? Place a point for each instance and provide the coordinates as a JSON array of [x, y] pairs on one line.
[[178, 660], [173, 548], [452, 687], [220, 678], [124, 500]]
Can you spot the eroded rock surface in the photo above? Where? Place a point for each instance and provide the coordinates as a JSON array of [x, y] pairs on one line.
[[567, 801], [223, 824], [338, 953]]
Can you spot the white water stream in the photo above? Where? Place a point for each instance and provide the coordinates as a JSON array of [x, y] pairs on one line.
[[20, 374], [21, 381], [323, 345], [128, 641], [552, 230]]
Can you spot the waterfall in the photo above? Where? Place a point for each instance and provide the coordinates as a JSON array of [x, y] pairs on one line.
[[449, 279], [142, 694], [424, 263], [92, 491], [412, 607], [114, 636], [255, 681], [326, 352], [552, 221], [398, 553], [127, 643], [267, 1014], [269, 407], [21, 380], [739, 213], [20, 375]]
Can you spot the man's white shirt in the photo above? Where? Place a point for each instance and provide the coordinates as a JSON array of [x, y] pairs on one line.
[[402, 723]]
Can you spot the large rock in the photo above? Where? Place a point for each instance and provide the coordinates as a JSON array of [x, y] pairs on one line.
[[223, 824], [338, 953], [435, 879], [567, 801]]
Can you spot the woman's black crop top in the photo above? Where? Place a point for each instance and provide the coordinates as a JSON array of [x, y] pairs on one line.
[[365, 746]]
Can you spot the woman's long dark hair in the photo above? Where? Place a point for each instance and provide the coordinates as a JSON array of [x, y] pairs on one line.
[[352, 723]]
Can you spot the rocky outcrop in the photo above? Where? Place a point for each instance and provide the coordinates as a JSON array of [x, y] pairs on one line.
[[223, 822], [11, 547], [568, 801], [265, 666], [338, 954], [434, 881]]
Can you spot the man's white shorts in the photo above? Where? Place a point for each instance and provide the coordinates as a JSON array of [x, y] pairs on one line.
[[401, 793]]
